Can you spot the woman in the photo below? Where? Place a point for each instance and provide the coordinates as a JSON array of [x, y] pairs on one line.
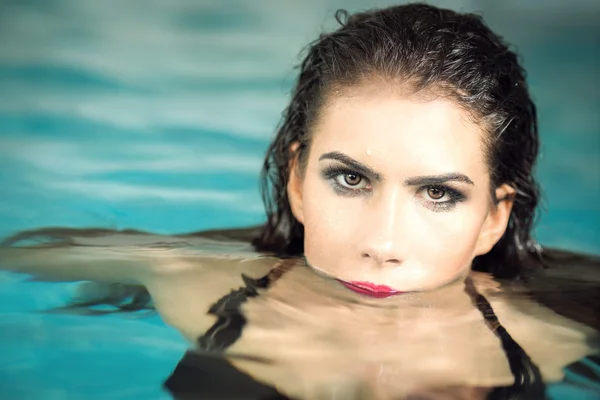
[[399, 183]]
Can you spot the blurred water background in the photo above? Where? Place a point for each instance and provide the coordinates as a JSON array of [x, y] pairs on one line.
[[155, 115]]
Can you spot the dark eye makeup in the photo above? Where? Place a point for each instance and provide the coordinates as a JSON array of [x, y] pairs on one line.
[[432, 196], [436, 197], [332, 174]]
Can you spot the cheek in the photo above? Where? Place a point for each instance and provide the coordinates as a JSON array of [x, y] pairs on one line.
[[329, 222], [448, 242]]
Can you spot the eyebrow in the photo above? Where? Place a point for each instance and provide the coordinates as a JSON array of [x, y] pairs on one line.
[[373, 175], [353, 165], [437, 179]]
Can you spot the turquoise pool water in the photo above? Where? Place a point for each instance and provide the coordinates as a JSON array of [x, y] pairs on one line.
[[155, 115]]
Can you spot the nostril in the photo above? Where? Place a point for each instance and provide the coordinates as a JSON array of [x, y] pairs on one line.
[[380, 259]]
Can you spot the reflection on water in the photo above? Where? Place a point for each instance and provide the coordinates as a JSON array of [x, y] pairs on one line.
[[290, 328]]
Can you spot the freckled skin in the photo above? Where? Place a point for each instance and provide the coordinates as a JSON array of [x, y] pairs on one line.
[[394, 234]]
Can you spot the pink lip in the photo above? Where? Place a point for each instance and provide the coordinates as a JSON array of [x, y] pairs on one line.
[[370, 289]]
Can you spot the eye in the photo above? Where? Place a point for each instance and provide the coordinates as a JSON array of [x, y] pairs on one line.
[[345, 181], [440, 197], [351, 180], [436, 193]]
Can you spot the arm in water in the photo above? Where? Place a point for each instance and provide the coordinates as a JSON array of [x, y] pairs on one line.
[[183, 274], [102, 255]]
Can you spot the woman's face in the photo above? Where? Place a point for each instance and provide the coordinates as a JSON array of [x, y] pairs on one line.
[[396, 192]]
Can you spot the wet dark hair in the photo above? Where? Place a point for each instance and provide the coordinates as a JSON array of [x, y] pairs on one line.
[[426, 49]]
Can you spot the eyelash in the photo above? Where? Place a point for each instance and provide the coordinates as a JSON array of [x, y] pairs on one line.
[[333, 172]]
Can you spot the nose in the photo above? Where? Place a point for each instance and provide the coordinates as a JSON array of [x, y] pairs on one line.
[[382, 253], [384, 237]]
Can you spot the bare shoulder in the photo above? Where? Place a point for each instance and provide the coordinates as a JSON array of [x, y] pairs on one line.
[[532, 314], [184, 274], [184, 294]]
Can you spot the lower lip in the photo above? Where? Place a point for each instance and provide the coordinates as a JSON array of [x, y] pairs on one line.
[[370, 290]]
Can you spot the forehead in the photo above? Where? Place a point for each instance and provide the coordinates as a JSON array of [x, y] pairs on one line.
[[414, 134]]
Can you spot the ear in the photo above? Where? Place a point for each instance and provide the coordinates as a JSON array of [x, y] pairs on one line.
[[496, 221], [294, 186]]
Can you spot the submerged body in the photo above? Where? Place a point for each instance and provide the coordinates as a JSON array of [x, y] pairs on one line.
[[309, 335]]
